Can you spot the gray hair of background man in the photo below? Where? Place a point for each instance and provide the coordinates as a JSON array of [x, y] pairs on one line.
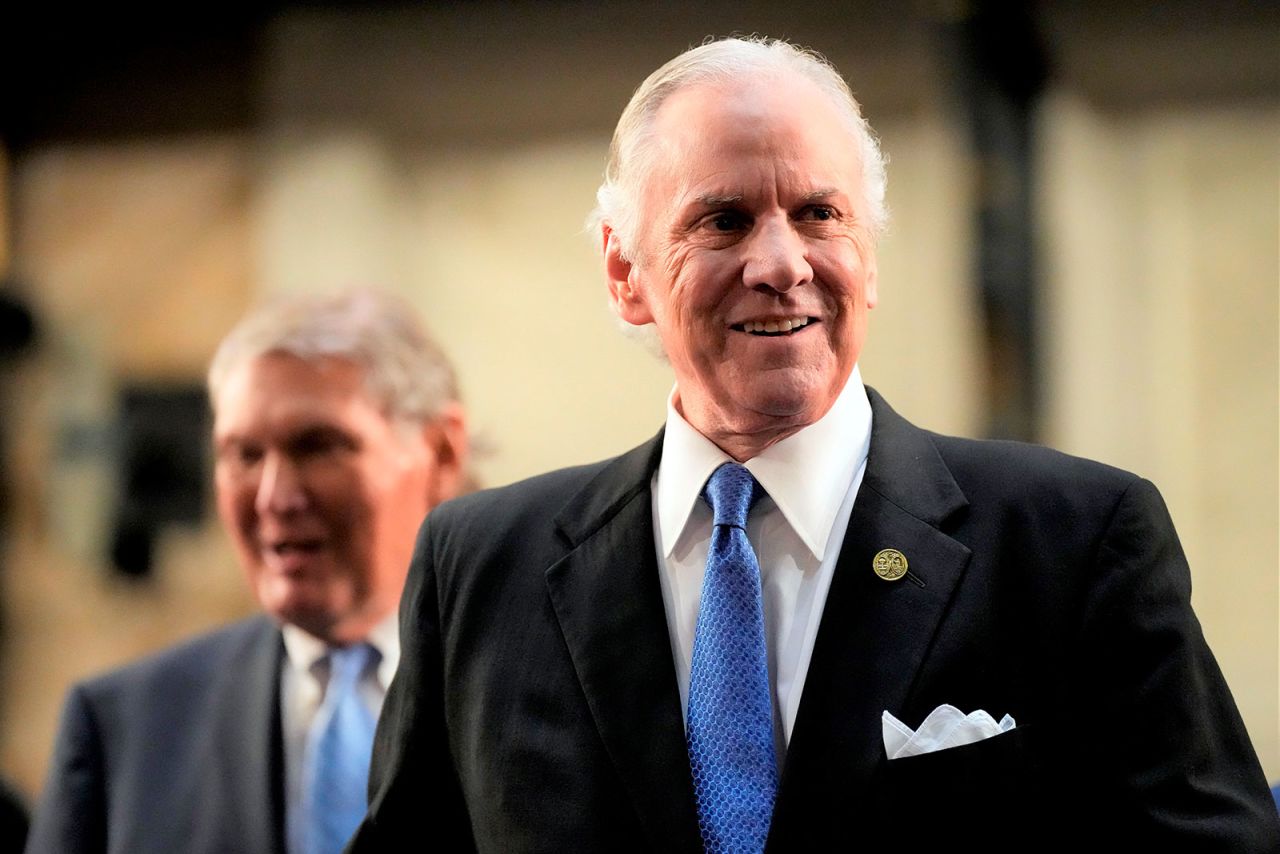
[[405, 373], [632, 154]]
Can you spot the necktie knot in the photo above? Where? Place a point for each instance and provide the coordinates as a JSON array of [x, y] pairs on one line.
[[730, 492], [346, 666]]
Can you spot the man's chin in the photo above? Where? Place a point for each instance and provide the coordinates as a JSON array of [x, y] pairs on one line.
[[757, 421], [788, 408], [307, 609]]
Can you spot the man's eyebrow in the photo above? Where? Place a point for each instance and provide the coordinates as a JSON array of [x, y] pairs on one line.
[[818, 195], [710, 200]]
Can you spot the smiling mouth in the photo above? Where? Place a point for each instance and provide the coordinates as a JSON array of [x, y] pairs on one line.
[[774, 328], [284, 548]]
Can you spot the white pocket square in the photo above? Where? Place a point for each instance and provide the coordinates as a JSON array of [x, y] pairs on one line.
[[946, 726]]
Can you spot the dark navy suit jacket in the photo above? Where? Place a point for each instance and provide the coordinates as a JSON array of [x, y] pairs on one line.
[[179, 752]]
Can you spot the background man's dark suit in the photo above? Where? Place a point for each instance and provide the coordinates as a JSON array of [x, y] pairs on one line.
[[536, 706], [179, 752]]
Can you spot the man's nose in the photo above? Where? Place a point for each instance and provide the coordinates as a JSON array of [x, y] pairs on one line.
[[281, 488], [776, 257]]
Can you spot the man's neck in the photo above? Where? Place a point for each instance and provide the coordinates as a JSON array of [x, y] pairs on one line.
[[743, 441]]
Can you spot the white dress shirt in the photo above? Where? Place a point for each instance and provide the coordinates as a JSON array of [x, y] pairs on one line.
[[811, 479], [304, 673]]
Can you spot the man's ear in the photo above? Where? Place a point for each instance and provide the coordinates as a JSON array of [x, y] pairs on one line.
[[872, 281], [446, 438], [626, 298]]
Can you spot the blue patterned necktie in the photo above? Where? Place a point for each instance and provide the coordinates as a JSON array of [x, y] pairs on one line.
[[336, 770], [731, 751]]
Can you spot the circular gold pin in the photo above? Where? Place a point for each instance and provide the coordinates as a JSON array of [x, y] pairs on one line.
[[890, 564]]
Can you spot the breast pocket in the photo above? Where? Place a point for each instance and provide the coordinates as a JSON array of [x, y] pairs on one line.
[[987, 791]]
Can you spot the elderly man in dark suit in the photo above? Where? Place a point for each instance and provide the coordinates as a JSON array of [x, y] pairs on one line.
[[793, 620], [337, 427]]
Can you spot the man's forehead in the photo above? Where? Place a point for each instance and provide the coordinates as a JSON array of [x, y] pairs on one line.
[[284, 387], [290, 371], [800, 175]]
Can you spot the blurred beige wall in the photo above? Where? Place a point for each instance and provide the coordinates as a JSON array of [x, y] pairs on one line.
[[139, 253], [391, 155]]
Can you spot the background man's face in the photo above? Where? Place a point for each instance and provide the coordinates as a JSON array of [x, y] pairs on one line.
[[754, 254], [321, 494]]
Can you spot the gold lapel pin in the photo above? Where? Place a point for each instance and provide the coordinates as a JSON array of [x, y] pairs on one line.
[[890, 564]]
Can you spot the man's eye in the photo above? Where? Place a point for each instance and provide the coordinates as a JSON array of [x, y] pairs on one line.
[[728, 221], [314, 445], [243, 456], [319, 443], [819, 213]]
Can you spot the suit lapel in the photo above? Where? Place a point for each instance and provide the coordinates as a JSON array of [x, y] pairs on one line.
[[874, 634], [248, 755], [608, 601]]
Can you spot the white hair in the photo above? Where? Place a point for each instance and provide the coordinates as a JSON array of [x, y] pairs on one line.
[[405, 373], [632, 152]]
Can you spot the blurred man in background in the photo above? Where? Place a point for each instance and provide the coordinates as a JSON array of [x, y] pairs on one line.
[[337, 427]]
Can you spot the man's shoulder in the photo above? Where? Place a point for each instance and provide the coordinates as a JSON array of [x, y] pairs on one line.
[[1006, 479], [993, 473], [533, 491], [543, 497], [1023, 463], [528, 525], [187, 666]]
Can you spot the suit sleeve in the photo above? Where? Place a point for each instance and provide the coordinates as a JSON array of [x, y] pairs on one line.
[[1183, 769], [71, 817], [415, 799]]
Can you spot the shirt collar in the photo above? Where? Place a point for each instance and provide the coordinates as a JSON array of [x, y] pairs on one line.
[[303, 649], [806, 474]]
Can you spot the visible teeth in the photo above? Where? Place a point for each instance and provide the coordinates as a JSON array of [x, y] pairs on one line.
[[292, 546], [775, 326]]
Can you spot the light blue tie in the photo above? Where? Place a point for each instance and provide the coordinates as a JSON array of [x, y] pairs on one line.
[[731, 751], [338, 750]]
